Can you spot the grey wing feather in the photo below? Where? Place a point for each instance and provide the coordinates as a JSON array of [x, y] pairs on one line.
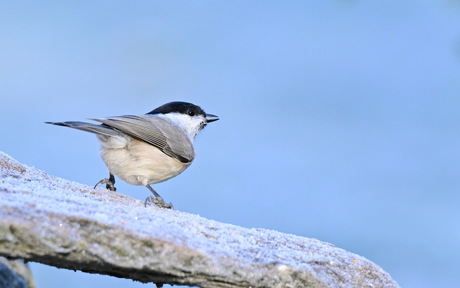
[[156, 131]]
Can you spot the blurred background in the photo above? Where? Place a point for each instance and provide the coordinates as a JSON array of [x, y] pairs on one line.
[[339, 120]]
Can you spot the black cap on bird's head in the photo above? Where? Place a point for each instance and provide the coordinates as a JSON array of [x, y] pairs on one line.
[[183, 108]]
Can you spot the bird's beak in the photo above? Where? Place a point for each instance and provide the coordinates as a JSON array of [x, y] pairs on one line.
[[211, 118]]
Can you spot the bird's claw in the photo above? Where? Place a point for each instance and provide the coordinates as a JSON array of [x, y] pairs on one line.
[[159, 202], [109, 184]]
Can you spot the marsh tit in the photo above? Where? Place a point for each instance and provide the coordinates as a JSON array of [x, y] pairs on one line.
[[147, 149]]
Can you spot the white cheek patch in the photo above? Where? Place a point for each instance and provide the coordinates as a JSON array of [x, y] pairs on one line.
[[190, 124]]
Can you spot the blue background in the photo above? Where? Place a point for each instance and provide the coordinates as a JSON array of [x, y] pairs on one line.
[[339, 119]]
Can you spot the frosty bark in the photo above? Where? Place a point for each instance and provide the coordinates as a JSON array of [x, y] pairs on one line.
[[69, 225]]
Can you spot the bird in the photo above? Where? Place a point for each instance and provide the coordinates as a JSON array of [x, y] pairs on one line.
[[150, 148]]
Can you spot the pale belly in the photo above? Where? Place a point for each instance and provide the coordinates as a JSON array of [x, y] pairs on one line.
[[139, 163]]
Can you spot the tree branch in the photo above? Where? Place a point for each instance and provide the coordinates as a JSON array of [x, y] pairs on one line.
[[69, 225]]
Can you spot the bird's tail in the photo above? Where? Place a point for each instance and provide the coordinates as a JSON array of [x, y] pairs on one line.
[[100, 129]]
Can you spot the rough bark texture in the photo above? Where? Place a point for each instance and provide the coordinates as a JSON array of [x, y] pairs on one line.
[[69, 225]]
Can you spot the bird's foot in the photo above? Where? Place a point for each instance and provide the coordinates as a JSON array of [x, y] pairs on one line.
[[109, 184], [159, 202]]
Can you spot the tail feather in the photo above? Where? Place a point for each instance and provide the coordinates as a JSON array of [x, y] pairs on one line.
[[100, 129]]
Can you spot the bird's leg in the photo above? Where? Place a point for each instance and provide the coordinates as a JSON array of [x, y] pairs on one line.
[[157, 200], [110, 183]]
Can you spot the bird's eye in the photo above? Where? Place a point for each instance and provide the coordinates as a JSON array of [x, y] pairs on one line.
[[191, 112]]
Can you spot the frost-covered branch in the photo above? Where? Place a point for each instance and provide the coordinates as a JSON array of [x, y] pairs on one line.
[[69, 225]]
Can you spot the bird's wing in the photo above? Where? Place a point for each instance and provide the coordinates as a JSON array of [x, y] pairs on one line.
[[156, 131]]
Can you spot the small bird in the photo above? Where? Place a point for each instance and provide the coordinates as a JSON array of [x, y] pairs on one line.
[[147, 149]]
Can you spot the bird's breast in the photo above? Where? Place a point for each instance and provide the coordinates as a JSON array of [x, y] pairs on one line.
[[139, 163]]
